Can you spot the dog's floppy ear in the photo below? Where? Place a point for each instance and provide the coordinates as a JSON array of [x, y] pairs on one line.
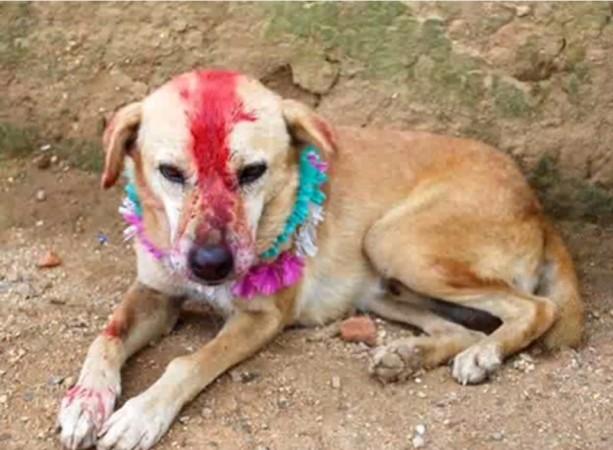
[[306, 125], [119, 139]]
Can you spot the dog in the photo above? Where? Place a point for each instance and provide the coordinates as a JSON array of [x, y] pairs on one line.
[[229, 179]]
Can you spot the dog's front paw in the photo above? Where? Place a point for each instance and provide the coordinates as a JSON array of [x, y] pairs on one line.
[[398, 360], [82, 413], [138, 425], [477, 363]]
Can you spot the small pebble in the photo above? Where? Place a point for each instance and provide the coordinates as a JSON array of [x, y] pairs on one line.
[[206, 413], [282, 402], [41, 195], [498, 436], [69, 382], [418, 441], [102, 238], [42, 162], [420, 429], [55, 380], [242, 376], [336, 382]]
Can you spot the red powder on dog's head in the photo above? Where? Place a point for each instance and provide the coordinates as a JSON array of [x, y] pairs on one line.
[[213, 108]]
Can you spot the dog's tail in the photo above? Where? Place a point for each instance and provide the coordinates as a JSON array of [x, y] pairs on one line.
[[559, 283]]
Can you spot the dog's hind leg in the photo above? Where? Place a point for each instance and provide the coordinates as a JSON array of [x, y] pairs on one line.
[[142, 316], [473, 262], [441, 341]]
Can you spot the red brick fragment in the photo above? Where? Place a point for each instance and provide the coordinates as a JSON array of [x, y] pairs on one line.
[[359, 329], [48, 260]]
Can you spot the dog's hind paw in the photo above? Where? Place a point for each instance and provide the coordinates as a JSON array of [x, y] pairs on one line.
[[477, 363], [398, 360], [82, 413]]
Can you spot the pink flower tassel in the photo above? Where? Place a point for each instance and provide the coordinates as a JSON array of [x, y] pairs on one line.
[[268, 278], [137, 228]]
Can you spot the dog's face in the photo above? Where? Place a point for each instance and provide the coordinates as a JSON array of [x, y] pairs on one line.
[[210, 151]]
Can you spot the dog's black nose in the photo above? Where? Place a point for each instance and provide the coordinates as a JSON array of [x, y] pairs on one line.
[[212, 263]]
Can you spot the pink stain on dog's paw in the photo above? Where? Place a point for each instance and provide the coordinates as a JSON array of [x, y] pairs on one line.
[[98, 403]]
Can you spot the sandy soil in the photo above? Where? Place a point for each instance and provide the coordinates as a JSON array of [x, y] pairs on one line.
[[285, 397]]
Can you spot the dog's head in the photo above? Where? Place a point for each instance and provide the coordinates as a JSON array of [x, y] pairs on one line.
[[211, 150]]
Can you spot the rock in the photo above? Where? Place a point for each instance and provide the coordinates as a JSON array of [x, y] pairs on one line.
[[206, 413], [55, 380], [41, 195], [69, 382], [524, 363], [418, 441], [523, 10], [336, 382], [25, 290], [283, 402], [42, 162], [359, 329], [179, 25], [420, 429], [243, 376], [498, 436], [48, 260], [54, 159], [314, 73]]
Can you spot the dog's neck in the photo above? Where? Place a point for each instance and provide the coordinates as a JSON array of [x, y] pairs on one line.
[[281, 264]]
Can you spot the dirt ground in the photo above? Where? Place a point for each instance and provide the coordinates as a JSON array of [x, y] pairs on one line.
[[534, 80], [299, 393]]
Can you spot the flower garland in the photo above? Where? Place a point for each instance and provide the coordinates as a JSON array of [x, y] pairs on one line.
[[286, 269], [277, 270], [132, 212]]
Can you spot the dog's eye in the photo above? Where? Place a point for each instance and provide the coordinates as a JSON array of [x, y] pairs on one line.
[[172, 173], [251, 173]]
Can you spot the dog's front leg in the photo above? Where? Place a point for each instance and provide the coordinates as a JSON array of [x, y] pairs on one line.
[[143, 420], [143, 315]]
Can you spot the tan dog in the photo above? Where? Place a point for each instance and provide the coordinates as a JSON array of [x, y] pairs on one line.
[[410, 217]]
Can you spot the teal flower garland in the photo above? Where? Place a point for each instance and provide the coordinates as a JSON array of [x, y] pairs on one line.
[[312, 176]]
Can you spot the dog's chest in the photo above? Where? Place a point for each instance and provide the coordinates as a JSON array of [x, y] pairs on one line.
[[219, 298], [326, 297]]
